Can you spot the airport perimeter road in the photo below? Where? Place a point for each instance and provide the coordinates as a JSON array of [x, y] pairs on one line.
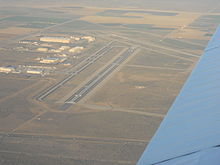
[[153, 46], [78, 68], [78, 95], [31, 34]]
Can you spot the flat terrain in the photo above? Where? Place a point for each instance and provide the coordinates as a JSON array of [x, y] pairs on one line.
[[103, 104]]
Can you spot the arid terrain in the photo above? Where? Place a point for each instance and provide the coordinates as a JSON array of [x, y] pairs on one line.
[[89, 83]]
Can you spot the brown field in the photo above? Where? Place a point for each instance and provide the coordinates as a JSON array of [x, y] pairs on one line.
[[5, 36], [116, 119], [188, 33], [151, 59], [82, 11], [140, 89], [160, 21], [16, 30]]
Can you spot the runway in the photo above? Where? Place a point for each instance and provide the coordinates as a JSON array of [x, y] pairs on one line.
[[79, 68], [79, 94]]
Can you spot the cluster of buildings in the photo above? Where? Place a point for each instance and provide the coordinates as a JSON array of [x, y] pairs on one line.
[[67, 40], [57, 50], [75, 50], [37, 70], [64, 40], [50, 44]]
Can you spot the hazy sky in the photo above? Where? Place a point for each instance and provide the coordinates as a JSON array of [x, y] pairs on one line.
[[187, 5]]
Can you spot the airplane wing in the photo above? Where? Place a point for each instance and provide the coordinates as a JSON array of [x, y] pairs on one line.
[[190, 132]]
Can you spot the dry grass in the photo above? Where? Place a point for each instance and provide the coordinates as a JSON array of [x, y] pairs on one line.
[[142, 18], [188, 34], [4, 36], [16, 30]]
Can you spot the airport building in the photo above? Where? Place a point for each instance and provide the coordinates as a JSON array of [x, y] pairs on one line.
[[55, 39], [35, 71], [75, 38], [7, 69], [49, 60], [62, 48], [42, 49], [61, 55], [77, 49], [55, 50], [88, 38]]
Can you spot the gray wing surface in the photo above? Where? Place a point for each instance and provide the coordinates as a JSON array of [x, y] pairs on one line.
[[190, 132]]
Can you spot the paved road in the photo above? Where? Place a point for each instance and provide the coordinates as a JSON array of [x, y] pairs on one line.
[[79, 94], [79, 68], [154, 46]]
